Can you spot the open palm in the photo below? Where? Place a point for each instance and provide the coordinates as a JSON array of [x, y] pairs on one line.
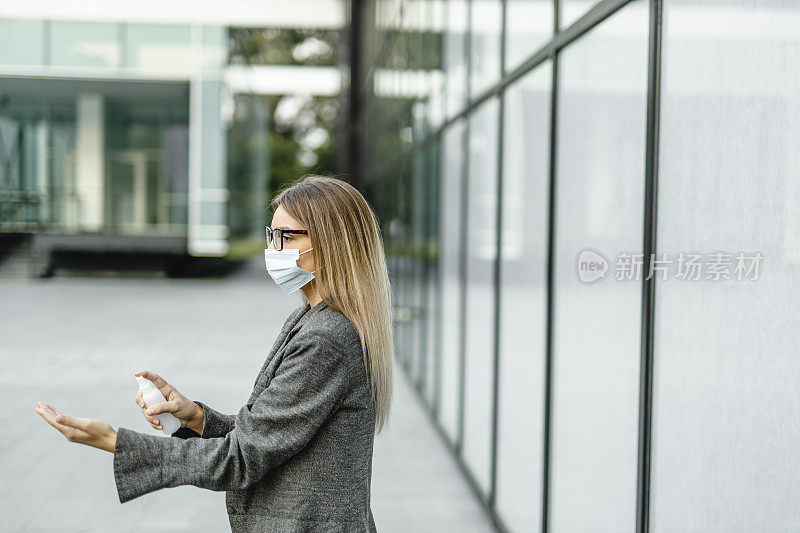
[[81, 430]]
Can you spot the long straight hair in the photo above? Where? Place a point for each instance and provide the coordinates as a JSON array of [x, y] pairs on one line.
[[351, 274]]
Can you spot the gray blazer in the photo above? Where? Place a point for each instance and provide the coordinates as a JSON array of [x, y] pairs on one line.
[[296, 457]]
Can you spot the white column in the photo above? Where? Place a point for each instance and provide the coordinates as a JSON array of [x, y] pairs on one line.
[[207, 233], [90, 157]]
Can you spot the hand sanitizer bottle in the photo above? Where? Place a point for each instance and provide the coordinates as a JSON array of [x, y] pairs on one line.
[[151, 396]]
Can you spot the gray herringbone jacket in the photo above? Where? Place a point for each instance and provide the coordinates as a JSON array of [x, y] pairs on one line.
[[296, 457]]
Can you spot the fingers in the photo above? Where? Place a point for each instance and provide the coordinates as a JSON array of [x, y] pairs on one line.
[[47, 408], [157, 380], [47, 412], [155, 409], [50, 419], [153, 420], [163, 407], [72, 421], [66, 420], [67, 425]]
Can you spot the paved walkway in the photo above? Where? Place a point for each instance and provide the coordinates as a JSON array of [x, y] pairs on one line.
[[76, 341]]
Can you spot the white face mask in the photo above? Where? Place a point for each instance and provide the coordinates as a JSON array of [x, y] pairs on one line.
[[282, 268]]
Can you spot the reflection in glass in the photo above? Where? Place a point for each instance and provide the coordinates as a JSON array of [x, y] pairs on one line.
[[481, 252], [599, 205], [146, 168], [248, 169], [725, 402], [523, 300], [37, 165], [282, 46]]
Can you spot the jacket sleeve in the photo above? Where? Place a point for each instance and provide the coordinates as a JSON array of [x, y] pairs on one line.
[[215, 424], [309, 385]]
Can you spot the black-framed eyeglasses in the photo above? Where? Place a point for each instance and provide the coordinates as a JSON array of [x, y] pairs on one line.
[[276, 235]]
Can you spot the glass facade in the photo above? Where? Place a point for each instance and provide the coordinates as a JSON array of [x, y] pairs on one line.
[[595, 354], [131, 140], [85, 44], [95, 133], [22, 42], [523, 285], [534, 148], [146, 177], [123, 128], [157, 46], [724, 399]]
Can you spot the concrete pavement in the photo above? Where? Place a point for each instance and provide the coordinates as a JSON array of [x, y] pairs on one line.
[[75, 341]]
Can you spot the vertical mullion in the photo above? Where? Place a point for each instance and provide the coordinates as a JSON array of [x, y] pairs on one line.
[[649, 285], [548, 378], [497, 264]]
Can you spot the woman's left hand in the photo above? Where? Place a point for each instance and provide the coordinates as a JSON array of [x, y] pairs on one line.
[[81, 430]]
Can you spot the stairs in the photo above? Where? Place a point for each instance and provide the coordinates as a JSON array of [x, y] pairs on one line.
[[15, 256]]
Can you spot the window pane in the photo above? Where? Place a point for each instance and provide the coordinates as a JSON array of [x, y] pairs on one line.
[[84, 44], [157, 46], [418, 228], [529, 24], [572, 10], [21, 42], [215, 47], [452, 154], [147, 154], [433, 50], [455, 49], [434, 301], [481, 252], [523, 300], [600, 166], [726, 373], [486, 21]]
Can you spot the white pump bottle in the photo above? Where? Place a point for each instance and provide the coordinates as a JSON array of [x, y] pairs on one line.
[[151, 396]]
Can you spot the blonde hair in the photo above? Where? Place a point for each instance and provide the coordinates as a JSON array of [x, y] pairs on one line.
[[351, 274]]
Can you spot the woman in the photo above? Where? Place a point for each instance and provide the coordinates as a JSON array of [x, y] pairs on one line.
[[298, 455]]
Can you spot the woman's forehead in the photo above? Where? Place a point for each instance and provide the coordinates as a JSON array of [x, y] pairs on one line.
[[281, 219]]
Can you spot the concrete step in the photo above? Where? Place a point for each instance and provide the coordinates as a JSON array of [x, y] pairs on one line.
[[15, 259]]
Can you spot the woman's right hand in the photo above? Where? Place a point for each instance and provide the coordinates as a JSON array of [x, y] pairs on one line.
[[189, 413]]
